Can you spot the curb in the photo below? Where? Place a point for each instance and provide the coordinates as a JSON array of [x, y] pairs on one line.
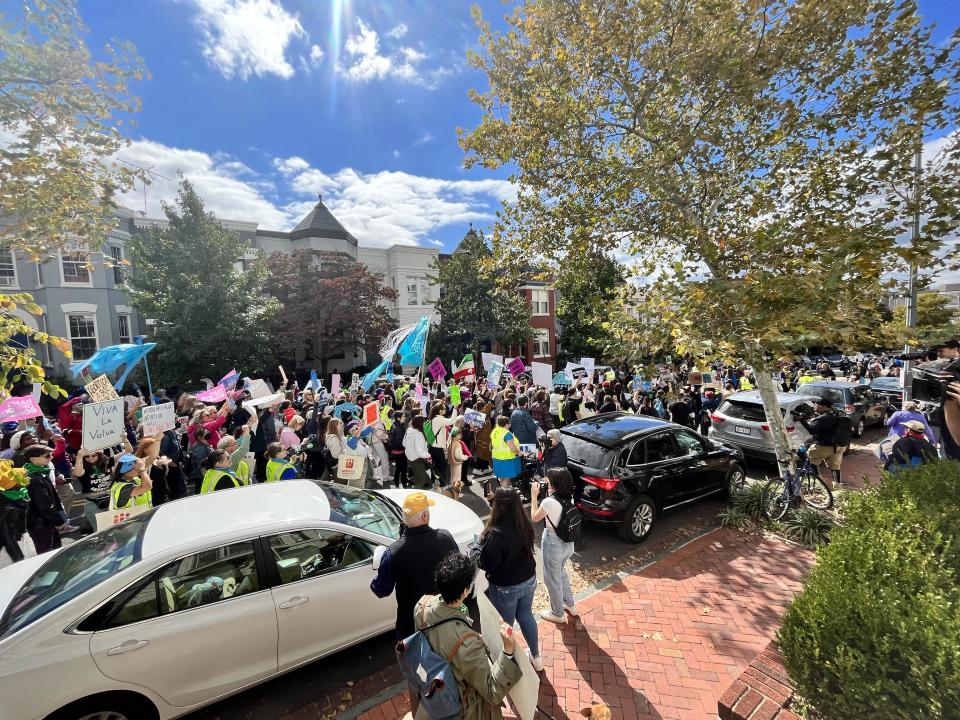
[[394, 690]]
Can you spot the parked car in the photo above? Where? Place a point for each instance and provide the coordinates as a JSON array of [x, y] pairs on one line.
[[862, 404], [630, 468], [198, 599], [889, 387], [740, 421]]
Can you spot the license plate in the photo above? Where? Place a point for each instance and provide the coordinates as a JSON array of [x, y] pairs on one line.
[[743, 430]]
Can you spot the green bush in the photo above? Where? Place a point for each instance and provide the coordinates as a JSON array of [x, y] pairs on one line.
[[876, 631], [751, 501], [733, 518], [809, 526]]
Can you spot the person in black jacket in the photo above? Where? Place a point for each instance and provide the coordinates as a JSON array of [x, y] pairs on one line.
[[266, 433], [506, 555], [46, 510], [14, 509], [554, 453], [823, 427]]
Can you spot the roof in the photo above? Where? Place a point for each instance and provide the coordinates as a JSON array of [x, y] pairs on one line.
[[838, 384], [784, 399], [320, 222], [228, 511], [608, 429]]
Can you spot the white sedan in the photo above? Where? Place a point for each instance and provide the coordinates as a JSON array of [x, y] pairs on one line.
[[198, 599]]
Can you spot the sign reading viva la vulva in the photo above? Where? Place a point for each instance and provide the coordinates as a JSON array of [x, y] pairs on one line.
[[103, 424]]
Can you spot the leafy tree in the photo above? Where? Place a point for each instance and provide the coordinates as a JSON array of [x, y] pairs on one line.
[[935, 322], [475, 309], [209, 315], [587, 297], [60, 114], [754, 156], [331, 305]]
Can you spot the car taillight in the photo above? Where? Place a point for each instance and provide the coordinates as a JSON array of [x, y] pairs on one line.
[[718, 418], [604, 483], [848, 409], [791, 428], [766, 428]]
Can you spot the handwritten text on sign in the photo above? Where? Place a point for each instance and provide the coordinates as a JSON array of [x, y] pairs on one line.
[[157, 418], [100, 389], [103, 424]]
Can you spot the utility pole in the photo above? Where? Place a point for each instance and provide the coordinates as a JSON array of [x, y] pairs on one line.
[[906, 375]]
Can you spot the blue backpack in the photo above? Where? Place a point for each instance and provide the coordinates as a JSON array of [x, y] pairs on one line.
[[430, 674]]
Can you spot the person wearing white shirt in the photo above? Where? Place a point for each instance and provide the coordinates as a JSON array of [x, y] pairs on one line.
[[440, 426], [555, 552], [417, 452]]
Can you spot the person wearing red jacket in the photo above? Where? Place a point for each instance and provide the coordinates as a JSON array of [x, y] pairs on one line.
[[70, 420]]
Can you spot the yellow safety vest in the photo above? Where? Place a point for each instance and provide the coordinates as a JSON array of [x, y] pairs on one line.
[[805, 379], [501, 451], [275, 469], [142, 499], [213, 476], [243, 472], [387, 420], [745, 384]]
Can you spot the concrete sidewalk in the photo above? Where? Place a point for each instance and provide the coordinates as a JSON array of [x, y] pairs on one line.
[[667, 641]]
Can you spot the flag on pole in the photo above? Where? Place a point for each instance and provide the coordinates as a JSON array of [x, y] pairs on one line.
[[109, 359], [414, 345], [230, 379], [314, 383], [465, 368]]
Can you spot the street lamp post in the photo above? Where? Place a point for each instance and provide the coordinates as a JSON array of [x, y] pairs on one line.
[[912, 282]]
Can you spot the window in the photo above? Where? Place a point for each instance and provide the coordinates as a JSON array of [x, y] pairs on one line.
[[541, 343], [75, 267], [39, 274], [45, 346], [689, 443], [636, 455], [661, 447], [123, 322], [208, 577], [538, 302], [141, 606], [83, 335], [411, 292], [363, 509], [310, 553], [425, 292], [116, 253], [8, 268]]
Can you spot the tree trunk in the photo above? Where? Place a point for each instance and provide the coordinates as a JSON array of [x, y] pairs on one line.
[[778, 428]]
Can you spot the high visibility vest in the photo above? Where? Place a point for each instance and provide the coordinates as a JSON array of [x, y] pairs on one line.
[[805, 379], [243, 472], [142, 499], [745, 384], [275, 469], [385, 417], [501, 451], [212, 477]]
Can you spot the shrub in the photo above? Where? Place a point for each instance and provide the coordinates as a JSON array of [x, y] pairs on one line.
[[733, 518], [809, 526], [875, 631], [750, 501]]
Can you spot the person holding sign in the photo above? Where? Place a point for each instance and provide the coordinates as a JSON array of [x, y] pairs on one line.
[[131, 483]]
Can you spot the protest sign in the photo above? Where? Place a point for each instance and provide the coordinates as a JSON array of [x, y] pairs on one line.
[[494, 373], [542, 373], [157, 418], [109, 518], [103, 424], [455, 395], [100, 389], [264, 401], [516, 367], [488, 359], [355, 381], [474, 418], [575, 372], [19, 408], [283, 374], [523, 695], [216, 394], [335, 384], [418, 389], [436, 369], [371, 413], [35, 393], [258, 389], [588, 364], [610, 375], [561, 379]]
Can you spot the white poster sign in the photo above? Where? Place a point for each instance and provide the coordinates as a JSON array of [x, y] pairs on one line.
[[103, 424], [588, 364], [523, 695], [542, 374], [259, 388], [158, 418], [489, 358]]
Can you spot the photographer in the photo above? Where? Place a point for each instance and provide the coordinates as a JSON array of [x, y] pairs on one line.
[[554, 453], [939, 382]]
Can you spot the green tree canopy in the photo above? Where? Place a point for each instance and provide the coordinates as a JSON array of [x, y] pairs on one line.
[[936, 322], [210, 316], [587, 289]]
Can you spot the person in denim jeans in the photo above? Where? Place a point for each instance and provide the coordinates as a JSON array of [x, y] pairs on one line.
[[506, 555], [555, 552]]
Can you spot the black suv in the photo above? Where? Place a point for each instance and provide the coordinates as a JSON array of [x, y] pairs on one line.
[[630, 468]]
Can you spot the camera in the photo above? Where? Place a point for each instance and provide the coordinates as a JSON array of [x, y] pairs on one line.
[[930, 380]]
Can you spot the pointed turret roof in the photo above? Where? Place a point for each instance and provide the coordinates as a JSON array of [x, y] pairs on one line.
[[321, 223]]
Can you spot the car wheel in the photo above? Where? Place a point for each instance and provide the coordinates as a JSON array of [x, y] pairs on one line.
[[638, 520], [108, 706], [859, 428], [736, 480]]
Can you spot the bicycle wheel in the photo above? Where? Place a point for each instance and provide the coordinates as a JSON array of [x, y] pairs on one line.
[[815, 492], [776, 499]]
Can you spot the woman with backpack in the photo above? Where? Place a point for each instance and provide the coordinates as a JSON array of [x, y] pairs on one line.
[[555, 509], [417, 452], [506, 556], [397, 454]]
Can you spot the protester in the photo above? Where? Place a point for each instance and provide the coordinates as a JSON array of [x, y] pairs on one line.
[[506, 454], [457, 455], [417, 452], [522, 424], [237, 450], [265, 434], [15, 542], [913, 448], [336, 446], [219, 473], [198, 456], [46, 514], [289, 436], [910, 412], [507, 558], [555, 552], [482, 684], [439, 427], [554, 452], [397, 452], [131, 483], [279, 466], [148, 450]]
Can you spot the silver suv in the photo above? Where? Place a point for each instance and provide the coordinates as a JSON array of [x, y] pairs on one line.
[[741, 422]]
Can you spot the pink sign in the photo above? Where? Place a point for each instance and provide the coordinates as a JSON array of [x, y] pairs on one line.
[[437, 369], [19, 408], [216, 394], [516, 366], [418, 389], [335, 384]]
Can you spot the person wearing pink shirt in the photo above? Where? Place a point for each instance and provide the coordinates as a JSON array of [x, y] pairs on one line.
[[209, 419]]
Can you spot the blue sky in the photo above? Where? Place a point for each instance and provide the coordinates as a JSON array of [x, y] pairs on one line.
[[263, 104]]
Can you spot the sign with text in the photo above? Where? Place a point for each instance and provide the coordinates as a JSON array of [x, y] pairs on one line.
[[335, 384], [355, 383], [371, 413], [488, 359], [494, 373], [436, 369], [157, 419], [216, 394], [516, 367], [19, 408], [115, 517], [588, 364], [455, 395], [561, 379], [474, 418], [103, 424], [100, 389]]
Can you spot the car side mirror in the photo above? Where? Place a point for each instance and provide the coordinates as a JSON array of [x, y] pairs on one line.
[[378, 554]]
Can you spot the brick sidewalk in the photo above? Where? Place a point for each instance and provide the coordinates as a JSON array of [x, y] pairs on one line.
[[667, 642]]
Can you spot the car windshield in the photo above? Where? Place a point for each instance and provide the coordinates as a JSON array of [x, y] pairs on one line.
[[363, 509], [739, 410], [831, 395], [886, 383], [74, 570]]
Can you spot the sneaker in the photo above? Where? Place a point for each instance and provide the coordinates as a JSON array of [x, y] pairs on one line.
[[572, 609], [536, 661], [559, 619], [67, 528]]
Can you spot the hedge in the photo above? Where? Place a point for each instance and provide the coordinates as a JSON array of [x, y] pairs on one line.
[[876, 631]]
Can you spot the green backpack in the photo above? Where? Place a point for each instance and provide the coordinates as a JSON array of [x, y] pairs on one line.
[[428, 432]]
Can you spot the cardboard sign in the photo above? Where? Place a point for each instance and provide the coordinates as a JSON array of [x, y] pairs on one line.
[[474, 418], [335, 384], [19, 408], [516, 366], [103, 424], [158, 418], [455, 395], [588, 364], [436, 369], [523, 695], [542, 373], [216, 394], [371, 413], [258, 389], [100, 389], [110, 518]]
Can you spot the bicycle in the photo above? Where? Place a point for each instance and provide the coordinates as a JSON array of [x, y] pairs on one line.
[[804, 485]]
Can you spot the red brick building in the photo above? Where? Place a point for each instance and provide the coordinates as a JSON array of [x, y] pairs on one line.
[[542, 346]]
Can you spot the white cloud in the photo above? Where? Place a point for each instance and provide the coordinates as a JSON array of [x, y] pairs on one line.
[[243, 38], [424, 139], [396, 154], [316, 53], [366, 63], [398, 32], [437, 243]]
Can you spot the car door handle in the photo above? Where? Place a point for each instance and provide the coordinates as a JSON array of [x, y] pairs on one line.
[[128, 646], [294, 601]]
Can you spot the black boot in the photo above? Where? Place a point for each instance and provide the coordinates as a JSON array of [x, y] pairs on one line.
[[836, 478]]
